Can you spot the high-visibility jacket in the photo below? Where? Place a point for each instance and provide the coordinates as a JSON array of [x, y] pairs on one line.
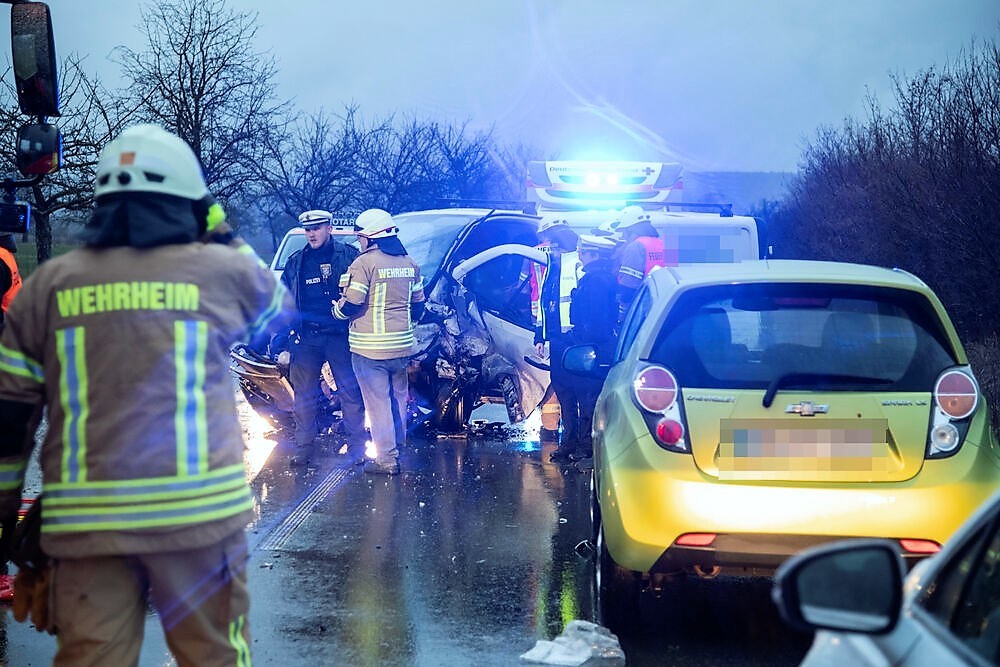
[[557, 294], [7, 257], [638, 258], [534, 273], [385, 285], [129, 351]]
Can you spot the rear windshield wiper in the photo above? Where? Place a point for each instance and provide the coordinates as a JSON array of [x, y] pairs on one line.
[[821, 379]]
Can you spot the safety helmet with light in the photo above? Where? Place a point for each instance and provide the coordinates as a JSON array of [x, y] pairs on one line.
[[549, 221], [147, 158], [375, 224], [314, 218], [633, 215]]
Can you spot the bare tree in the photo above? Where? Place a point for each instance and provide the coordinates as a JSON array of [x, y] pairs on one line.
[[91, 115], [201, 78], [312, 165], [916, 186]]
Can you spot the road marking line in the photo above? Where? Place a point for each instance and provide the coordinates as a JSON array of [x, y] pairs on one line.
[[276, 538]]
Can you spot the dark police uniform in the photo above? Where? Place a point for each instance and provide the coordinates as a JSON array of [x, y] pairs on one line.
[[312, 276]]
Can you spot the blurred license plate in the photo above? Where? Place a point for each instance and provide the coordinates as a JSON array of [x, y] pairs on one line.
[[748, 448]]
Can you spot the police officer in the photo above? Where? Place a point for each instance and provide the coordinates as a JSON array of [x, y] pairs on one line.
[[553, 327], [125, 343], [10, 276], [312, 276], [643, 251], [593, 312], [383, 298]]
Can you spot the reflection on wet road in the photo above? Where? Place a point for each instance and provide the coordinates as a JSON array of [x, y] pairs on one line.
[[466, 558]]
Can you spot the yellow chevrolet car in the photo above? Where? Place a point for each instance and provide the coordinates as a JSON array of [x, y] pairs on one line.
[[754, 409]]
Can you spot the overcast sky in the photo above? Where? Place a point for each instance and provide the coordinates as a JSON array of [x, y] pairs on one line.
[[713, 84]]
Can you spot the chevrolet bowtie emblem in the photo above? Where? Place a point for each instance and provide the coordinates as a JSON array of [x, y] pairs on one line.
[[807, 408]]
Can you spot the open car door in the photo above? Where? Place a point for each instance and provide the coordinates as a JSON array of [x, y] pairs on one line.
[[499, 299]]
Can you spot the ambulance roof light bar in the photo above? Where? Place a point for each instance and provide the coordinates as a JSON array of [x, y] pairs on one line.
[[725, 210]]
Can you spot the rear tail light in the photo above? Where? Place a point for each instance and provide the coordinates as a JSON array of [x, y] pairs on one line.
[[669, 431], [655, 391], [956, 397], [956, 394]]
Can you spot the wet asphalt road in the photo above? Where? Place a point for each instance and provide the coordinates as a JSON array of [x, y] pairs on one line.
[[466, 558]]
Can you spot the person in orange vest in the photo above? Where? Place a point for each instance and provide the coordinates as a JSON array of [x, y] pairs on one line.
[[643, 251], [10, 276]]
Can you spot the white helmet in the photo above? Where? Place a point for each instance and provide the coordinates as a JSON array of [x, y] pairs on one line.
[[147, 158], [549, 221], [315, 218], [633, 215], [609, 230], [375, 224]]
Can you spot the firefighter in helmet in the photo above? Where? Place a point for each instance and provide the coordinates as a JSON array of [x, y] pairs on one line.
[[125, 343]]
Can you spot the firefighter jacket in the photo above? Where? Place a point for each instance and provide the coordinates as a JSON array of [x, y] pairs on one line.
[[561, 277], [7, 257], [127, 348], [338, 256], [384, 286], [638, 258]]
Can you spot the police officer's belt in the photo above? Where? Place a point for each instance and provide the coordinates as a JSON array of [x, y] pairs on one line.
[[316, 329]]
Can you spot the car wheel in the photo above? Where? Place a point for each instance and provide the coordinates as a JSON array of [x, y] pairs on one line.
[[452, 413], [595, 510], [618, 590]]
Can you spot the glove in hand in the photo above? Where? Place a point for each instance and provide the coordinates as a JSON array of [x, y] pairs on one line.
[[31, 597]]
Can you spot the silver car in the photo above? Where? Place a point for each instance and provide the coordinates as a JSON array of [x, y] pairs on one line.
[[866, 610]]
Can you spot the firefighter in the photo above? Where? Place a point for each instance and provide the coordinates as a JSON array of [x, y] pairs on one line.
[[643, 251], [593, 312], [10, 276], [553, 326], [383, 298], [312, 276], [125, 343]]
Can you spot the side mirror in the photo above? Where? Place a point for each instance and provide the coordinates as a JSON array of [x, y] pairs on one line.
[[39, 149], [583, 360], [34, 56], [848, 586]]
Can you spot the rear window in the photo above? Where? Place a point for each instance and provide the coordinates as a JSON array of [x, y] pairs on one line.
[[850, 337]]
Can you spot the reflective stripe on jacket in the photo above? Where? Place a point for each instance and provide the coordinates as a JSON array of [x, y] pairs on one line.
[[639, 257], [555, 319], [385, 285], [129, 350]]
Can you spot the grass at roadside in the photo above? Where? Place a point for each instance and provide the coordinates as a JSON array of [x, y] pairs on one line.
[[27, 255]]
